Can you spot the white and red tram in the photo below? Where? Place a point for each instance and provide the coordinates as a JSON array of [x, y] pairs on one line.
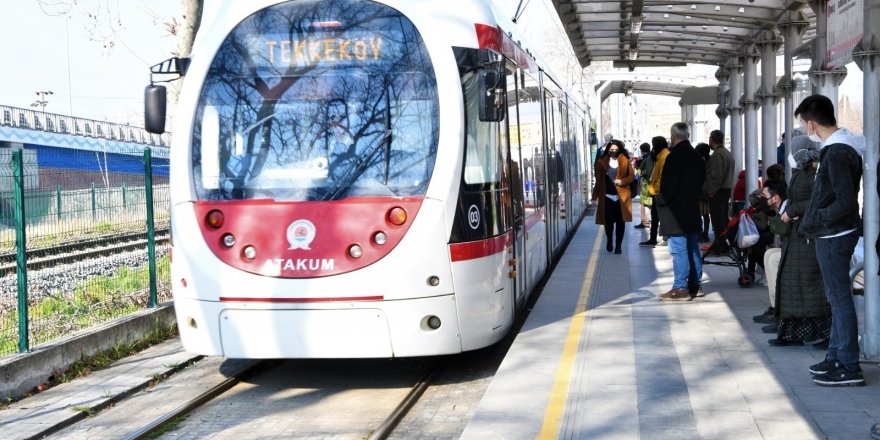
[[356, 178]]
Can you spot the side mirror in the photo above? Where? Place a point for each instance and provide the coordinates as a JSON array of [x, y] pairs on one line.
[[492, 94], [154, 108]]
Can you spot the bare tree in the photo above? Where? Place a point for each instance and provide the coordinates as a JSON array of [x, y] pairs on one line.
[[185, 32], [105, 23]]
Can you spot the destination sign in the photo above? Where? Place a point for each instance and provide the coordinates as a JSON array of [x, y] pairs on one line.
[[324, 50]]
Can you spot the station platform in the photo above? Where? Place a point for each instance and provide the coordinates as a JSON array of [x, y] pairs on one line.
[[600, 357]]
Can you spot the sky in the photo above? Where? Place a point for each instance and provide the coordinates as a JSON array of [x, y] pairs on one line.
[[97, 83], [107, 84]]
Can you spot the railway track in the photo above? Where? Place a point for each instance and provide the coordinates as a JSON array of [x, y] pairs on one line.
[[80, 250], [380, 432]]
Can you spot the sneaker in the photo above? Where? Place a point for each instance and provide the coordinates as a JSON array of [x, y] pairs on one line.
[[648, 243], [640, 226], [676, 295], [696, 291], [824, 367], [663, 243], [767, 317], [840, 377]]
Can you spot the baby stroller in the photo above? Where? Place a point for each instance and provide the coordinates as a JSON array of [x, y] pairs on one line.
[[725, 250]]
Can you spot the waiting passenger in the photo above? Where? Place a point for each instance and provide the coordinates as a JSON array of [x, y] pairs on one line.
[[719, 182], [613, 178], [832, 219], [761, 217], [704, 151], [659, 151], [643, 171], [800, 304], [683, 176]]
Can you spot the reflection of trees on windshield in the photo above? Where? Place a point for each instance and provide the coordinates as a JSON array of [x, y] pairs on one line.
[[320, 102]]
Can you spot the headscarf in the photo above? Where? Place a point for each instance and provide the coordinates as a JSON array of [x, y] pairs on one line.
[[804, 150]]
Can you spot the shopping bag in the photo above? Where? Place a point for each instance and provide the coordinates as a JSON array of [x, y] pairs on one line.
[[747, 233]]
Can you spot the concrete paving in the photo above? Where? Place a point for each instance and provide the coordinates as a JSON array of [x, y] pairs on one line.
[[646, 369], [70, 402]]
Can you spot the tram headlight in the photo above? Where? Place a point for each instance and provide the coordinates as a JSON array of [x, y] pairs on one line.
[[355, 251], [228, 240], [380, 238], [250, 252], [397, 216]]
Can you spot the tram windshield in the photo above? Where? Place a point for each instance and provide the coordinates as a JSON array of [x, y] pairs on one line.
[[317, 100]]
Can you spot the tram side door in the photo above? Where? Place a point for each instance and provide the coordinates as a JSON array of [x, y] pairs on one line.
[[514, 202]]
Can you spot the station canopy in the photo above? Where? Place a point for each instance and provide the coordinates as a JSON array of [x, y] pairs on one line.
[[661, 33]]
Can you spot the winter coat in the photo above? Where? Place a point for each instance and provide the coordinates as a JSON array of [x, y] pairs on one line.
[[834, 205], [719, 172], [645, 170], [625, 174], [683, 175], [800, 292], [657, 174]]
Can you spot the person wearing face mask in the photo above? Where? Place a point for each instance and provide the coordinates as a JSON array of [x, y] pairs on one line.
[[761, 218], [832, 220], [801, 309], [803, 161], [614, 176]]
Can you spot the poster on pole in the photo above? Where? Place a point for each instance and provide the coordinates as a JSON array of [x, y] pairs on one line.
[[845, 27]]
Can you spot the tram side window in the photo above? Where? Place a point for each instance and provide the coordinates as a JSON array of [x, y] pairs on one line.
[[482, 164], [530, 137]]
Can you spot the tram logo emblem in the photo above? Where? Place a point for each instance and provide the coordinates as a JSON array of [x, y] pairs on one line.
[[473, 216], [300, 234]]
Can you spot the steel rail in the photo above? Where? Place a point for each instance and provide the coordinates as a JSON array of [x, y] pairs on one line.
[[200, 400]]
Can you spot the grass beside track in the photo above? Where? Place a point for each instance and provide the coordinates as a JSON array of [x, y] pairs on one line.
[[97, 300]]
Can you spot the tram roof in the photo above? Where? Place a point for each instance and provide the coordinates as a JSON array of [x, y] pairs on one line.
[[657, 33]]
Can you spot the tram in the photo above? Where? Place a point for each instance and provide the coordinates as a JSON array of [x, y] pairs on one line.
[[357, 178]]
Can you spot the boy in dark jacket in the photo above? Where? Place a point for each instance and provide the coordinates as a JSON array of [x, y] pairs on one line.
[[832, 219]]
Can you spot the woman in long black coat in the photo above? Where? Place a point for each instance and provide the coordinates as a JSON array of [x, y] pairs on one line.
[[802, 309]]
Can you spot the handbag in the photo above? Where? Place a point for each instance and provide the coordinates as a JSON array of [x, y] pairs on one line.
[[747, 232]]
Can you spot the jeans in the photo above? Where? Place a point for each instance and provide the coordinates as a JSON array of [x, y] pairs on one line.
[[687, 263], [834, 255]]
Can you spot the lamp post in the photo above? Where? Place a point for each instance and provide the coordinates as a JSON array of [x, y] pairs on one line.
[[41, 99]]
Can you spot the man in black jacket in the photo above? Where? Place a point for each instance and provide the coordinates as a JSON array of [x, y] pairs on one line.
[[683, 175], [832, 219]]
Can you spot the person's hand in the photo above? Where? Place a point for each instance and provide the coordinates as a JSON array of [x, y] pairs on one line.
[[617, 182], [785, 217]]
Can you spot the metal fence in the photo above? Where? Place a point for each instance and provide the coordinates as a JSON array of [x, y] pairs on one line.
[[55, 123], [82, 242]]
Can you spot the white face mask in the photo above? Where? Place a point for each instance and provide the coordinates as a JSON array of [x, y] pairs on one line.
[[791, 162], [813, 136]]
